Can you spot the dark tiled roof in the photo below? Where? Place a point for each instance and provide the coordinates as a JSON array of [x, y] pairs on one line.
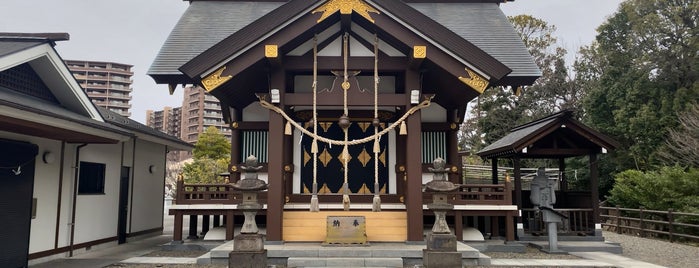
[[527, 134], [204, 24], [207, 23], [237, 41], [131, 125], [487, 27], [435, 30]]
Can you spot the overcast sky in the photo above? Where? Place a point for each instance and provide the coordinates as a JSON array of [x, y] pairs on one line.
[[132, 31]]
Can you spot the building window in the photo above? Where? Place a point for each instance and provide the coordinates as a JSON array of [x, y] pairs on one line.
[[91, 179], [434, 144]]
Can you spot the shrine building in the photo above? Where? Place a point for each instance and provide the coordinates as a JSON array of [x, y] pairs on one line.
[[344, 101]]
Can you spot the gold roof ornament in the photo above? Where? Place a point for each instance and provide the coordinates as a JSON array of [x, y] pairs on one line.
[[345, 7], [215, 79], [475, 81]]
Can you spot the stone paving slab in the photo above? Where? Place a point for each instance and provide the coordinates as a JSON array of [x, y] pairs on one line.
[[160, 260]]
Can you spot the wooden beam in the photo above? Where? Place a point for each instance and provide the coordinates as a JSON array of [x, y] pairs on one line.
[[413, 202], [518, 186], [328, 63], [235, 147], [275, 196], [306, 99], [594, 187]]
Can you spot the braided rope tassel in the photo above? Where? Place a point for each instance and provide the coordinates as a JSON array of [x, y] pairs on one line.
[[315, 207], [376, 202]]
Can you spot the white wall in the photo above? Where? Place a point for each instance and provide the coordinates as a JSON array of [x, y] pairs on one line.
[[148, 188], [96, 214], [43, 227]]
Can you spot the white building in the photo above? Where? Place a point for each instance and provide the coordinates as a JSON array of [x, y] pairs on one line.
[[74, 176]]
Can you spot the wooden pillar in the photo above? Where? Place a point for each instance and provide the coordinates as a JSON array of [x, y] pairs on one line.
[[413, 164], [562, 170], [459, 225], [594, 187], [494, 169], [276, 151], [205, 221], [235, 146], [453, 154], [495, 226], [518, 187], [177, 229], [217, 221], [509, 227], [192, 227], [230, 225]]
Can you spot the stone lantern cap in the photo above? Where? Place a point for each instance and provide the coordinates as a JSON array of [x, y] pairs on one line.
[[250, 182], [439, 183]]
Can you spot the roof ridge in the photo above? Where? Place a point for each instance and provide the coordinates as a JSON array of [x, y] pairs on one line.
[[560, 114], [36, 36]]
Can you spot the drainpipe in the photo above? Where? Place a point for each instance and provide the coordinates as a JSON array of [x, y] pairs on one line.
[[75, 196]]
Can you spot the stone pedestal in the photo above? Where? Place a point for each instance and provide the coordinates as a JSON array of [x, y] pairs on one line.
[[247, 259], [441, 242], [441, 259]]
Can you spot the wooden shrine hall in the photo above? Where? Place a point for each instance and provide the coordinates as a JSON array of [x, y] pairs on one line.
[[346, 103]]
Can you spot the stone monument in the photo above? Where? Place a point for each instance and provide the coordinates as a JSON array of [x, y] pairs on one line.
[[543, 196], [441, 243], [248, 246]]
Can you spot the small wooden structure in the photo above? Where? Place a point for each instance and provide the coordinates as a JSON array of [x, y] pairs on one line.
[[557, 136]]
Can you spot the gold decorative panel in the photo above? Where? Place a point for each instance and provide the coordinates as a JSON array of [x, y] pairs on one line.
[[364, 157], [271, 51], [215, 79], [325, 157], [419, 52], [345, 7], [475, 81]]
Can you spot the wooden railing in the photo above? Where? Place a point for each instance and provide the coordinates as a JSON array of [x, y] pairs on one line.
[[478, 194], [669, 224], [223, 193], [213, 193], [579, 221]]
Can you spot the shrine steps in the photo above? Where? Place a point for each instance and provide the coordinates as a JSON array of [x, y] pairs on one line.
[[377, 254]]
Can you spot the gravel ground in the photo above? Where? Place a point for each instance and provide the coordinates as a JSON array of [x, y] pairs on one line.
[[530, 253], [657, 251]]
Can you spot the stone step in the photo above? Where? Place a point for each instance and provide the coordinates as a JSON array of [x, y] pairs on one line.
[[344, 262]]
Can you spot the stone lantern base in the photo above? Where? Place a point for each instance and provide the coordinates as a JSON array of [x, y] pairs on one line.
[[441, 251], [244, 259], [248, 252]]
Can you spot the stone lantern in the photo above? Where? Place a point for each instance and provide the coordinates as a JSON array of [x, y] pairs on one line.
[[248, 246], [441, 243]]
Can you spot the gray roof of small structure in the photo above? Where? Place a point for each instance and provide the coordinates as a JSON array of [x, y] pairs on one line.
[[206, 23], [8, 47], [134, 126], [527, 134], [32, 104]]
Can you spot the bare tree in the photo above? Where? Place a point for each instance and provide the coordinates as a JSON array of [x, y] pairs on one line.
[[682, 144]]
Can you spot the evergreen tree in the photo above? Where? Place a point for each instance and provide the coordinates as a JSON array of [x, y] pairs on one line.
[[211, 156]]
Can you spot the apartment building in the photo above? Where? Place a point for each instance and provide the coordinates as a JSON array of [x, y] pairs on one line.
[[167, 120], [107, 84], [200, 111]]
